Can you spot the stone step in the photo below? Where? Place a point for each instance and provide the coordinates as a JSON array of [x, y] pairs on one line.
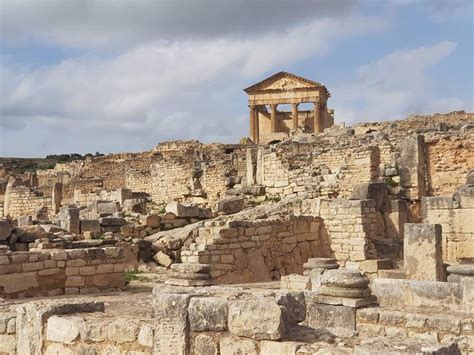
[[392, 274], [191, 268], [190, 275], [183, 282]]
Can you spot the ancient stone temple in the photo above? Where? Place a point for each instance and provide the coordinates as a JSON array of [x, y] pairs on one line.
[[267, 124]]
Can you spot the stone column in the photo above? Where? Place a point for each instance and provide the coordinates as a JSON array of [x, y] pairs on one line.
[[252, 133], [294, 114], [317, 117], [273, 111], [56, 197], [257, 128]]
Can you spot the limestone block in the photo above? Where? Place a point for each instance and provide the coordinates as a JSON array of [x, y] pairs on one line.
[[467, 287], [171, 315], [233, 346], [90, 225], [137, 205], [12, 283], [422, 248], [276, 347], [151, 220], [7, 344], [163, 259], [69, 219], [5, 229], [111, 221], [208, 314], [192, 211], [257, 318], [62, 329], [191, 268], [145, 335], [230, 205], [107, 207], [205, 345], [376, 191], [325, 316], [122, 331]]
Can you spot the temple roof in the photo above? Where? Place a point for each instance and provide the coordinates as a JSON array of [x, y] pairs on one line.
[[284, 81]]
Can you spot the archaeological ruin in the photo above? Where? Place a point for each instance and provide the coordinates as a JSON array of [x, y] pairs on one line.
[[307, 237]]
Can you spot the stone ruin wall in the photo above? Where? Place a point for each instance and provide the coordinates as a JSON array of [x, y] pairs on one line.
[[449, 159], [261, 250], [23, 201], [58, 272], [455, 214], [287, 172], [138, 181]]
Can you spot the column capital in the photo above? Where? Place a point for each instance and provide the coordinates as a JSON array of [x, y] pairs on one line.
[[252, 106]]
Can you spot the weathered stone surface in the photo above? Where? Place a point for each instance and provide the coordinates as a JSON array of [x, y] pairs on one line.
[[188, 267], [145, 335], [208, 314], [171, 315], [137, 205], [422, 248], [122, 331], [5, 229], [276, 347], [111, 221], [63, 329], [183, 211], [205, 345], [90, 225], [256, 318], [69, 219], [322, 263], [7, 344], [163, 259], [107, 207], [233, 346], [230, 205], [325, 316], [400, 293], [344, 278], [151, 220]]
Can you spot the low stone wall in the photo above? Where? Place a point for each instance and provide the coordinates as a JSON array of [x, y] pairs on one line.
[[89, 334], [438, 327], [260, 250], [427, 294], [454, 213], [23, 200], [57, 272]]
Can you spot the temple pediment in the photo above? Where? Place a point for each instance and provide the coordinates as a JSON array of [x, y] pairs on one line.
[[283, 81]]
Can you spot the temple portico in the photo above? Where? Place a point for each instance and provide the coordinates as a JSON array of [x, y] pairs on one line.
[[268, 124]]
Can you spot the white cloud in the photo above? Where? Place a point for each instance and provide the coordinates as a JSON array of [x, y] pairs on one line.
[[87, 23], [161, 90], [394, 86]]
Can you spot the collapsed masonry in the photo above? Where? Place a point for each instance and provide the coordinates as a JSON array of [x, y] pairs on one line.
[[355, 240]]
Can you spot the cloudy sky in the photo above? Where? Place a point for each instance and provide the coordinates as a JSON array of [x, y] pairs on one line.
[[110, 76]]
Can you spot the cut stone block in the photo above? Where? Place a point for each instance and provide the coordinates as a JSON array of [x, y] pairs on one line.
[[422, 248], [259, 318]]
